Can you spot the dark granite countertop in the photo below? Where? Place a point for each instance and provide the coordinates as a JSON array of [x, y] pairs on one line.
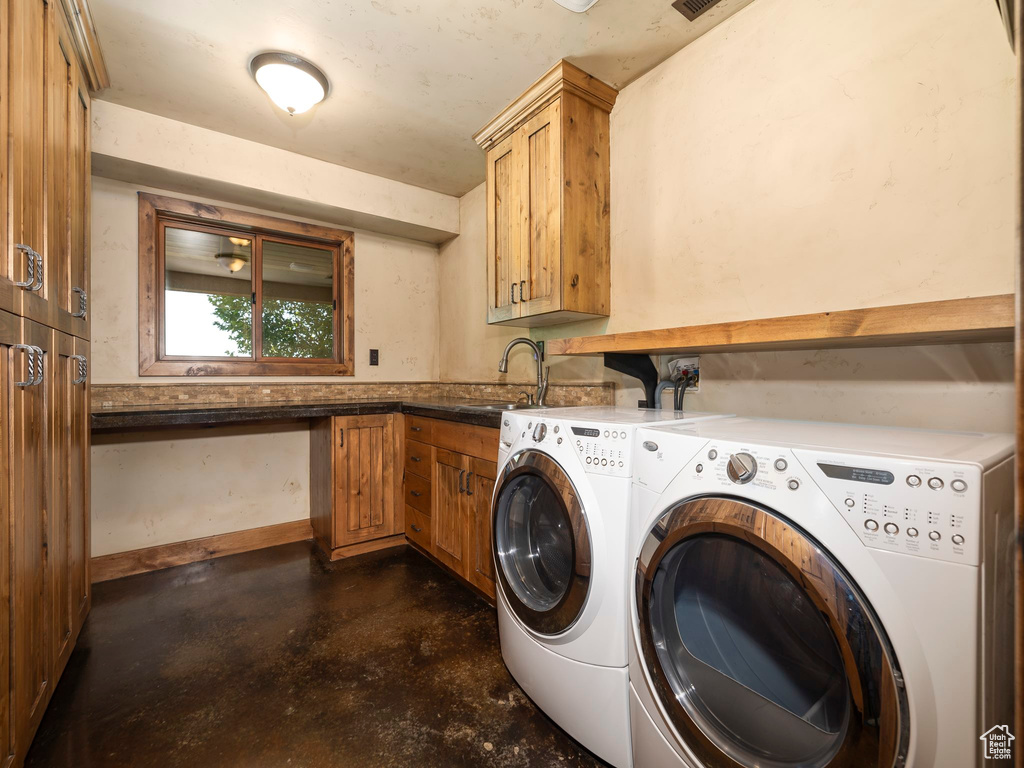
[[153, 416]]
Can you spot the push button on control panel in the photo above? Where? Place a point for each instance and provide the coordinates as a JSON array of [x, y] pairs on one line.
[[781, 465], [958, 485], [913, 481], [871, 525], [935, 483], [958, 539], [934, 535], [912, 532], [892, 529]]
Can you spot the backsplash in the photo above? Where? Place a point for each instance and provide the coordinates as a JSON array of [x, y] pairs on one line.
[[105, 396]]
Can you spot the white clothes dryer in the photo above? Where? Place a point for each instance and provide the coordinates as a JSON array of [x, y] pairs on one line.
[[819, 595]]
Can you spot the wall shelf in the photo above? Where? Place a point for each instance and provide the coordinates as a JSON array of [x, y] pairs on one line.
[[983, 318]]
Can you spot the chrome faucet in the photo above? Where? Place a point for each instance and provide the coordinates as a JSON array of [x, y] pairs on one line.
[[542, 372]]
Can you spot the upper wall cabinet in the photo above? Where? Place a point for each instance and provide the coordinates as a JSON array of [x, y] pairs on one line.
[[49, 61], [548, 206]]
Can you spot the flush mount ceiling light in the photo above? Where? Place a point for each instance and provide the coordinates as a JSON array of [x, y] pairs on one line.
[[230, 261], [291, 82], [577, 6]]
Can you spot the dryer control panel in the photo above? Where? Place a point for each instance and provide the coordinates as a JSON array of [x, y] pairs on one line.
[[604, 449], [927, 509], [930, 509]]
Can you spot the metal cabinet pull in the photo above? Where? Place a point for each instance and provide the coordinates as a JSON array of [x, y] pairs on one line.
[[462, 474], [40, 366], [512, 293], [416, 494], [415, 429], [35, 269], [31, 365], [83, 369], [39, 273], [469, 491], [83, 302], [522, 290], [416, 528], [417, 459], [341, 438]]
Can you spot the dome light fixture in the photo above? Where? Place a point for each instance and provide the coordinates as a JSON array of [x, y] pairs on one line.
[[291, 82]]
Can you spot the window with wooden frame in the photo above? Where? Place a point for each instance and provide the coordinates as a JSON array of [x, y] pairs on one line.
[[231, 293]]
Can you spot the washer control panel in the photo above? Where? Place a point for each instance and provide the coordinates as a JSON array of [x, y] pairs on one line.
[[604, 449]]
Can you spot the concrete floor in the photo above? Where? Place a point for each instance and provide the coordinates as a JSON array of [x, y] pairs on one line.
[[273, 658]]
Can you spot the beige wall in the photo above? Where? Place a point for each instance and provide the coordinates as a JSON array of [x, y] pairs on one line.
[[151, 488], [155, 488], [803, 156], [139, 147]]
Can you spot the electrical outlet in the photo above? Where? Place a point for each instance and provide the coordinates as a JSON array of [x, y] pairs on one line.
[[692, 364], [374, 357]]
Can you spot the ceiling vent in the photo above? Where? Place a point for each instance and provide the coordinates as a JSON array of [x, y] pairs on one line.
[[691, 9]]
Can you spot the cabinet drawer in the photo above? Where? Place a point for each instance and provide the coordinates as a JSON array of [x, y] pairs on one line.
[[417, 458], [417, 527], [419, 429], [417, 492]]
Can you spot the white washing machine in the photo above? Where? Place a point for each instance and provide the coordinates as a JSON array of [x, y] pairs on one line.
[[560, 541], [813, 595]]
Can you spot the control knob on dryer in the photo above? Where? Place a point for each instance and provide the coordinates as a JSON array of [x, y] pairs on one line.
[[741, 468], [539, 432]]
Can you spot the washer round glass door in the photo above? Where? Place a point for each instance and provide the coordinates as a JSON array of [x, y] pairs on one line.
[[541, 543], [761, 650]]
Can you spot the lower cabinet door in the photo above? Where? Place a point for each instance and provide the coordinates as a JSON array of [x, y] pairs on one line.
[[79, 511], [67, 519], [31, 403], [10, 337], [479, 489], [364, 478], [449, 510], [62, 375]]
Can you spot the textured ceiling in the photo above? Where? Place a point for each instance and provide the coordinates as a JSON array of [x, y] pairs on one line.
[[411, 80]]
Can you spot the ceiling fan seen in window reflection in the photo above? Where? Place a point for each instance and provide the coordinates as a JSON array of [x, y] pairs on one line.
[[691, 9]]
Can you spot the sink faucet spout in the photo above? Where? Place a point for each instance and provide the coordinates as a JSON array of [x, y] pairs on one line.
[[542, 372]]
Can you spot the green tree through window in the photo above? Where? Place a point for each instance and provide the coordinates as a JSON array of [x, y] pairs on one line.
[[292, 329]]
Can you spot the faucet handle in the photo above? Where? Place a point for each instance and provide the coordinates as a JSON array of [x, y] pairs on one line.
[[529, 397]]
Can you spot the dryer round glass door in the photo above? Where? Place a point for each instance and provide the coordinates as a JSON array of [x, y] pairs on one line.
[[761, 650], [541, 543]]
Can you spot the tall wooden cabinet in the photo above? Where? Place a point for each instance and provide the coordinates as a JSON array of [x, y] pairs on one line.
[[48, 63], [548, 202]]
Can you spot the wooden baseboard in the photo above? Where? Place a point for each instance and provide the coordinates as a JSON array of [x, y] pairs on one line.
[[361, 548], [120, 564]]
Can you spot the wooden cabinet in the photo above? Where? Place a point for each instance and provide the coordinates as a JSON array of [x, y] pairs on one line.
[[48, 62], [354, 483], [45, 169], [448, 495], [548, 202], [44, 546]]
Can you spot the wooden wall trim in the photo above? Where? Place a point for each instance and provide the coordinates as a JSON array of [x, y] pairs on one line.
[[107, 567], [86, 40], [156, 210]]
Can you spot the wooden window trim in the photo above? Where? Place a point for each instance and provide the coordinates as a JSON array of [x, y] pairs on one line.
[[156, 209]]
